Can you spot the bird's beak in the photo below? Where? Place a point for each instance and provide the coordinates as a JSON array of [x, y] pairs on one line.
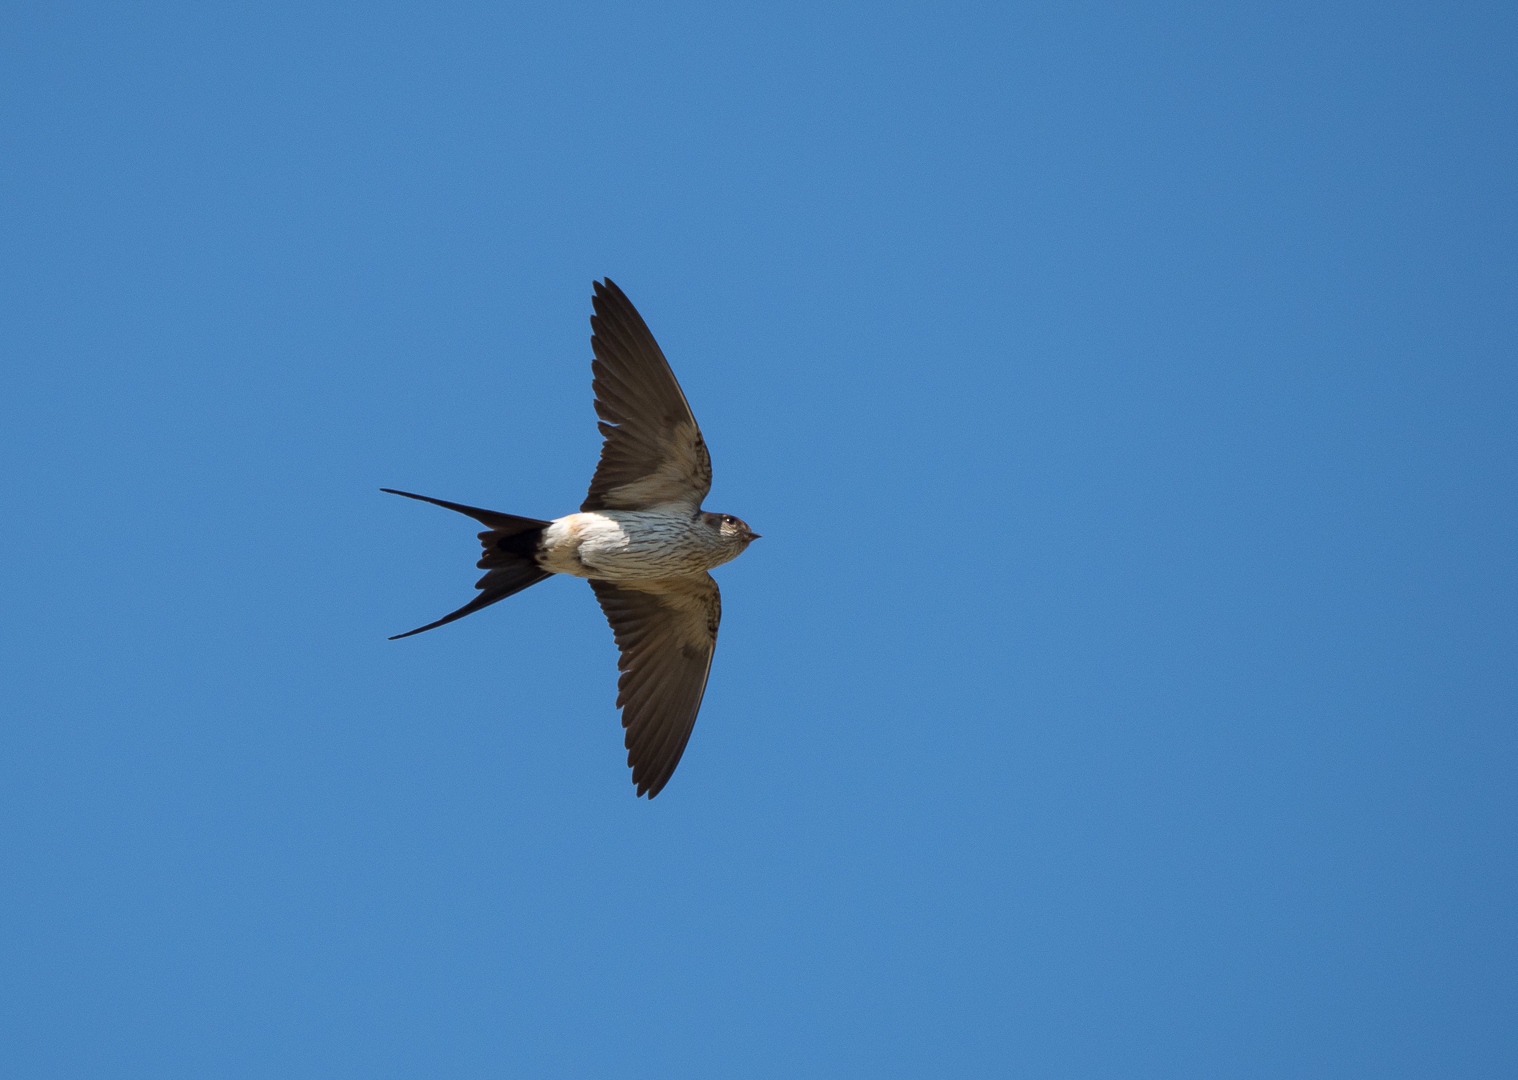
[[753, 536]]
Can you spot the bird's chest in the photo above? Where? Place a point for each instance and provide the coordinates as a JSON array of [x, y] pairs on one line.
[[627, 546]]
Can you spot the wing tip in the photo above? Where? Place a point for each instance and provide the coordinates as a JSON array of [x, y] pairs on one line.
[[648, 789]]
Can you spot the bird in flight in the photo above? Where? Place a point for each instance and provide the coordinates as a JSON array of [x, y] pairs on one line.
[[640, 538]]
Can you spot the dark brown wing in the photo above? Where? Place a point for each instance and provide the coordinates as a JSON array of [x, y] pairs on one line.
[[667, 632], [654, 452]]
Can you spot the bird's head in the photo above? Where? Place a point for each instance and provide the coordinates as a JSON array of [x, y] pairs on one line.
[[733, 531]]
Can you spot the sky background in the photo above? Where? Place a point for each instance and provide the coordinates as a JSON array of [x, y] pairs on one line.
[[1124, 686]]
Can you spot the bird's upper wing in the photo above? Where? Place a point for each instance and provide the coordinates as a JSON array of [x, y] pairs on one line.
[[653, 452], [666, 631]]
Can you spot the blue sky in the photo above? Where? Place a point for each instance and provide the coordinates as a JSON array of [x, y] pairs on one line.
[[1124, 684]]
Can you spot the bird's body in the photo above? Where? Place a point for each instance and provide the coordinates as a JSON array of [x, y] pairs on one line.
[[640, 538], [634, 545]]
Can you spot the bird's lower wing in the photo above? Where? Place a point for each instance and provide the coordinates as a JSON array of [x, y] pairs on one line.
[[666, 631]]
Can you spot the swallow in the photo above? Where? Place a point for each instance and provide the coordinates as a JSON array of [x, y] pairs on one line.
[[641, 539]]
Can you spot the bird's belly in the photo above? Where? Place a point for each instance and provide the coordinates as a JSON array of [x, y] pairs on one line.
[[626, 546]]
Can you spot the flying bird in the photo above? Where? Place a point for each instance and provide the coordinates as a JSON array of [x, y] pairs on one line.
[[640, 538]]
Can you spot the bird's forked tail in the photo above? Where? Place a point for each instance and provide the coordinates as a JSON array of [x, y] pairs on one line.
[[510, 556]]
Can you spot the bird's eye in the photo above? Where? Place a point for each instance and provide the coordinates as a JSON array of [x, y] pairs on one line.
[[727, 518]]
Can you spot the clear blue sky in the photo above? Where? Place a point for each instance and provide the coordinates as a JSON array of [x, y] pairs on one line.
[[1124, 686]]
